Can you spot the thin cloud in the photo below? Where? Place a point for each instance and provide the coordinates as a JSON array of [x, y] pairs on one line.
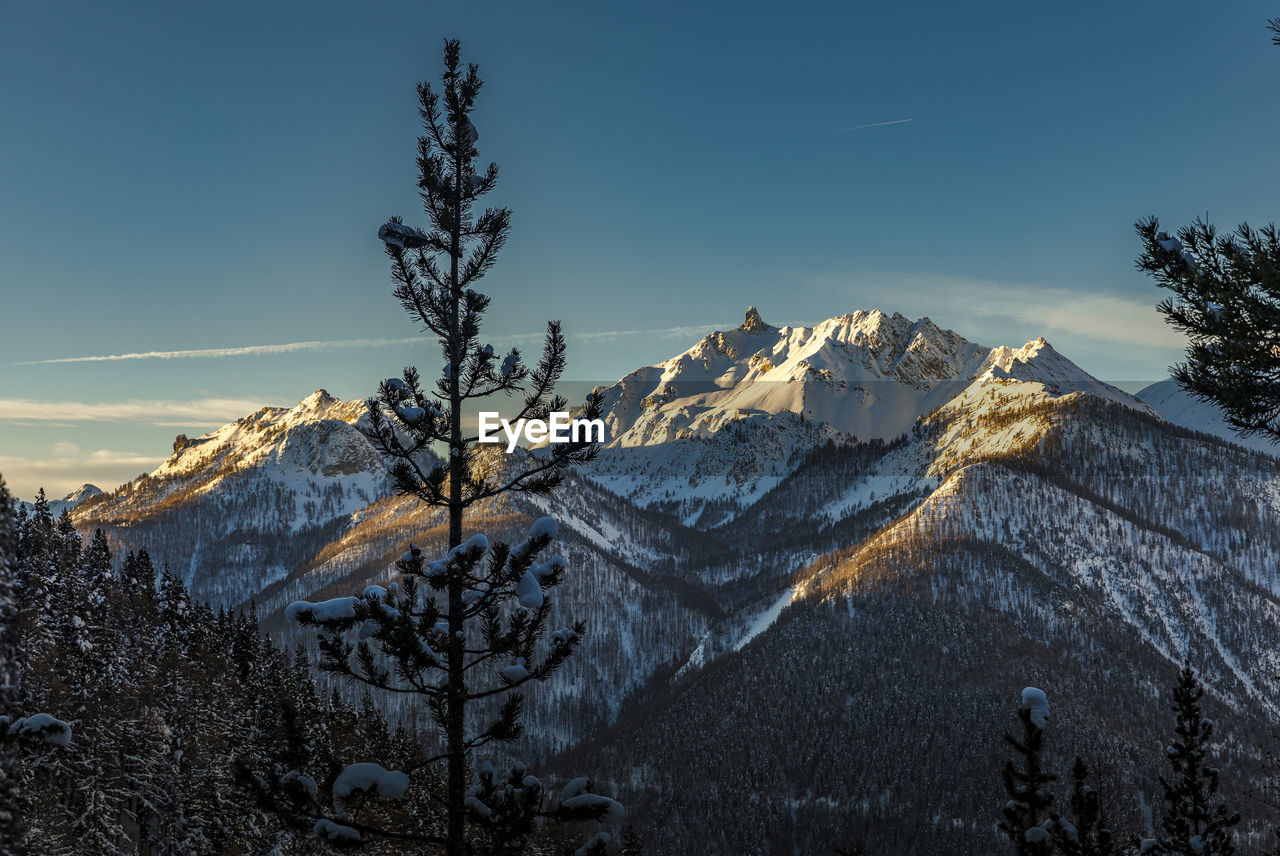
[[990, 311], [874, 125], [216, 353], [205, 411], [61, 475], [612, 335], [115, 458], [340, 344], [667, 332]]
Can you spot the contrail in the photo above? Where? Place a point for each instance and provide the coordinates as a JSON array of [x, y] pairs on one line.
[[250, 350], [874, 125], [338, 344]]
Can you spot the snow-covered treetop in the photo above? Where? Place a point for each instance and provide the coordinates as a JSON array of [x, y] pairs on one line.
[[1035, 701]]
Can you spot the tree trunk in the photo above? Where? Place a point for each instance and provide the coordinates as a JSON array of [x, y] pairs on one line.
[[456, 724]]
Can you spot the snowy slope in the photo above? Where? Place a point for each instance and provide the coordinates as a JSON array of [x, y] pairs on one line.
[[240, 507], [1069, 541], [880, 506], [863, 375], [1181, 408], [637, 621], [291, 503]]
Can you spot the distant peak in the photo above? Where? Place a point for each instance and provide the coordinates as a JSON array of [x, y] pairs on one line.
[[84, 492], [318, 398], [753, 323]]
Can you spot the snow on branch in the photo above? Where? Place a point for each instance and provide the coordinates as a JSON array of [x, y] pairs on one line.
[[42, 726], [332, 831], [402, 236], [337, 611], [371, 779]]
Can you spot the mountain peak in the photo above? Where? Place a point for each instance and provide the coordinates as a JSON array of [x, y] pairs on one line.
[[753, 322], [84, 492], [70, 501], [321, 405]]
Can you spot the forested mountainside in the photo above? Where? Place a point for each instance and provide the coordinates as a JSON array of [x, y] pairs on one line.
[[853, 614], [638, 621], [238, 509], [1088, 559]]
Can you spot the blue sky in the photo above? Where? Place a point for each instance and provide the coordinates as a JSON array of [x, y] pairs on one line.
[[211, 176]]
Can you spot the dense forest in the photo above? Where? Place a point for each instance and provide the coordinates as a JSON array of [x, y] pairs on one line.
[[138, 720]]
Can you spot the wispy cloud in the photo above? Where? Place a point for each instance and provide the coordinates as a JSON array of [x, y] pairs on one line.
[[998, 313], [247, 351], [95, 462], [614, 335], [874, 125], [62, 474], [664, 333], [110, 457], [341, 344], [199, 412]]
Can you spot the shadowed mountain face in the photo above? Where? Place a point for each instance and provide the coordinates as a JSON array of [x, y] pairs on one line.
[[1075, 545], [817, 566]]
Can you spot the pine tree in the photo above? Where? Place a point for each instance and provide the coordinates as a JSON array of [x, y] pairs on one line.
[[1197, 820], [1025, 816], [174, 610], [1226, 298], [471, 627], [1086, 832], [138, 576], [92, 670], [36, 569], [151, 687], [631, 843], [10, 699]]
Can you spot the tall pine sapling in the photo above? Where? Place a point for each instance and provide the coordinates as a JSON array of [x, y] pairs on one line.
[[1026, 813], [1197, 820], [471, 627]]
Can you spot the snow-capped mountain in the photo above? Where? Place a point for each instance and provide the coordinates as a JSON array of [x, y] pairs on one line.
[[817, 549], [240, 507], [70, 501], [1182, 408], [729, 418], [293, 503], [866, 375]]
